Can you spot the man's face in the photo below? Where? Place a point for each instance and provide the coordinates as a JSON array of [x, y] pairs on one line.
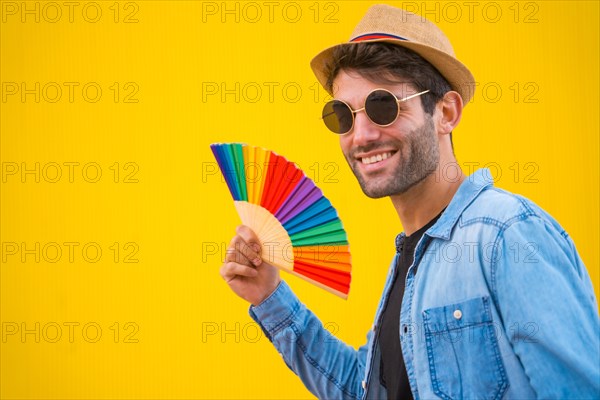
[[408, 149]]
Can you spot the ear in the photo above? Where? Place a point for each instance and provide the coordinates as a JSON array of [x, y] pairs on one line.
[[449, 111]]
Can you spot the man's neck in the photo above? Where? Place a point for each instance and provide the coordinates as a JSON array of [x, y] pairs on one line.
[[426, 200]]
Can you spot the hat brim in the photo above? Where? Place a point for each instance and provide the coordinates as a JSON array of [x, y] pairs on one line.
[[457, 74]]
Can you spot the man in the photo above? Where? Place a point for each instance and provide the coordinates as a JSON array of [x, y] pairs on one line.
[[491, 324]]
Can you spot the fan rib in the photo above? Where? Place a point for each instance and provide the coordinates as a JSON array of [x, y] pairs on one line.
[[273, 237]]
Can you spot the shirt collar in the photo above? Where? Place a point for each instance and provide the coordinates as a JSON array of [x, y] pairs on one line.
[[465, 195]]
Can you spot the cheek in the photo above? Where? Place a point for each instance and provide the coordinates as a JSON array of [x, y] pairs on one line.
[[411, 117], [402, 126], [402, 129]]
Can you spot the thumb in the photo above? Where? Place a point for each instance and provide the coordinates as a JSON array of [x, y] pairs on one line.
[[249, 237]]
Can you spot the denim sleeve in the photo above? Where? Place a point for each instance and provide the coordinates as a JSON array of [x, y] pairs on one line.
[[329, 368], [548, 308]]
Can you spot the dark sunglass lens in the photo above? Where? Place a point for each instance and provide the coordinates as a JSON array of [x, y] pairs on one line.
[[337, 117], [381, 107]]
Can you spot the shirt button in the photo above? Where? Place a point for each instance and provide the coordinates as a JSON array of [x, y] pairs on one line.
[[364, 384], [457, 314]]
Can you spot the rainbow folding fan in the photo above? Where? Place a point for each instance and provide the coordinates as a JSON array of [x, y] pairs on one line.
[[298, 228]]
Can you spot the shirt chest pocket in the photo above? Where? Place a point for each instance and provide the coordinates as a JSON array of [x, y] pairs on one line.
[[462, 348]]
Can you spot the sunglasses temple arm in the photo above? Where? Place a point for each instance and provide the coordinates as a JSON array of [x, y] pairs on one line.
[[414, 95]]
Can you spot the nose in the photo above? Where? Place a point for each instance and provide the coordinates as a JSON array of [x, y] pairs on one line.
[[364, 131]]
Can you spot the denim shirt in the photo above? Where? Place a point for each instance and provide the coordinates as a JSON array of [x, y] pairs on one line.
[[501, 307]]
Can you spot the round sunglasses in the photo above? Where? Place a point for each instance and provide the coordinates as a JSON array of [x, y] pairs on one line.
[[381, 106]]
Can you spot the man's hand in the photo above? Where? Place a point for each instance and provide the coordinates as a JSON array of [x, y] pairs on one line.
[[245, 272]]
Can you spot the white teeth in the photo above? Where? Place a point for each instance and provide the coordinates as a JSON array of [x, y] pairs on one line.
[[376, 158]]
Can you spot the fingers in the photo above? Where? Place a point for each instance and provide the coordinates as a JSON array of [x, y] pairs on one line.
[[249, 237], [243, 255], [231, 270], [244, 248]]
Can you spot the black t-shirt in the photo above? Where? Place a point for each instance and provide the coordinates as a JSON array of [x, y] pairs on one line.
[[393, 371]]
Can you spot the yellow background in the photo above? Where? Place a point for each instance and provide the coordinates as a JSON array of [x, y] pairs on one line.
[[182, 333]]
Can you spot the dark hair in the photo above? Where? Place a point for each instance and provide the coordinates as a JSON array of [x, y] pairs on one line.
[[388, 63]]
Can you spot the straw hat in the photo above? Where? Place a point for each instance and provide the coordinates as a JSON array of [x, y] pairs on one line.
[[383, 23]]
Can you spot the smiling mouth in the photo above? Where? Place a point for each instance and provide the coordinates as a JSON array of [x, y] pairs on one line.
[[376, 158]]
